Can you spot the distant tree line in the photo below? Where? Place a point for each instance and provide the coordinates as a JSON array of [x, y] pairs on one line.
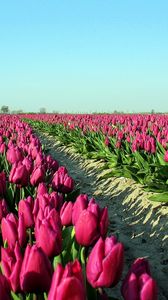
[[5, 110]]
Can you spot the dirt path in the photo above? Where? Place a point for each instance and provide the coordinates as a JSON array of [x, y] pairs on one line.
[[140, 224]]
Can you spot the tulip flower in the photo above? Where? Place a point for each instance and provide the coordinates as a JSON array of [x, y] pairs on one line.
[[107, 141], [56, 200], [138, 284], [13, 230], [2, 148], [28, 162], [80, 204], [49, 235], [2, 184], [67, 283], [36, 271], [42, 189], [66, 213], [39, 160], [3, 209], [53, 200], [105, 263], [14, 155], [25, 207], [33, 151], [62, 182], [1, 138], [11, 261], [52, 163], [91, 224], [4, 288], [37, 176], [166, 156], [19, 174]]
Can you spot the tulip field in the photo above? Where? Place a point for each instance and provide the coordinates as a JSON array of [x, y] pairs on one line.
[[54, 240], [134, 146]]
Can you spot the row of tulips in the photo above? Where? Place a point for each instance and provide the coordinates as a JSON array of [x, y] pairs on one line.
[[54, 244], [134, 146]]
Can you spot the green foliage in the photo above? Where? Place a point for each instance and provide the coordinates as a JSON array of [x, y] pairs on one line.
[[150, 170]]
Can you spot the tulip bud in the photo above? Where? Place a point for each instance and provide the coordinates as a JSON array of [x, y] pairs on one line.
[[37, 176], [166, 156], [19, 174], [25, 207], [14, 155], [41, 189], [11, 264], [86, 228], [4, 288], [66, 213], [2, 184], [28, 162], [107, 141], [80, 204], [138, 284], [49, 235], [62, 182], [3, 209], [105, 263], [9, 229], [13, 230], [36, 271], [67, 283], [95, 222], [2, 148]]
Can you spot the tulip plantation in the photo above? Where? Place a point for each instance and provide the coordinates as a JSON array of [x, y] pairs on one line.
[[54, 241], [133, 146]]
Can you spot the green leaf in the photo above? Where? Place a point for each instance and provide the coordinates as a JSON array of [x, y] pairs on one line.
[[160, 148], [162, 197], [45, 296], [57, 260], [74, 250], [15, 297], [140, 160], [5, 244], [161, 159]]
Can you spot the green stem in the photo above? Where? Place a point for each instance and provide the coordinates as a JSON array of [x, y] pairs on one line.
[[30, 236], [38, 297]]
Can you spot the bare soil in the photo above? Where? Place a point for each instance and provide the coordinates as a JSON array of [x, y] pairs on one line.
[[140, 224]]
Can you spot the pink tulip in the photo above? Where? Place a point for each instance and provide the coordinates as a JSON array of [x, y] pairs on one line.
[[62, 182], [66, 213], [2, 184], [105, 263], [13, 230], [49, 235], [138, 284], [4, 288], [67, 283], [2, 148], [14, 155], [36, 271], [11, 261], [42, 189], [3, 209], [28, 162], [80, 204], [95, 222], [19, 174], [37, 176], [166, 156], [25, 207]]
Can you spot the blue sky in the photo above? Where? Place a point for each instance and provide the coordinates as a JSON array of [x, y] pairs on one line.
[[84, 55]]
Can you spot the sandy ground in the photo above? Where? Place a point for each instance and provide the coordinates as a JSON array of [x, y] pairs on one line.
[[140, 224]]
